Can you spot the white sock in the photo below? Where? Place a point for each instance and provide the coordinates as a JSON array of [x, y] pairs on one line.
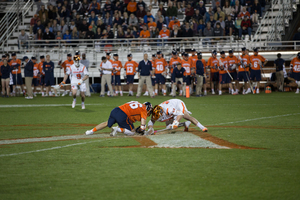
[[108, 93], [212, 90], [50, 93], [200, 126], [121, 92], [156, 91], [236, 90], [82, 103], [180, 92], [119, 130], [74, 99], [128, 132], [117, 92]]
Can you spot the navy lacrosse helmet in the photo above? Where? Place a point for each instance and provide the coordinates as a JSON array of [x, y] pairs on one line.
[[222, 52], [298, 55], [230, 51], [244, 49], [214, 52], [174, 52], [148, 108]]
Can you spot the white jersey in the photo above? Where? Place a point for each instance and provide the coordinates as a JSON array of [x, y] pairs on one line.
[[172, 108], [76, 73]]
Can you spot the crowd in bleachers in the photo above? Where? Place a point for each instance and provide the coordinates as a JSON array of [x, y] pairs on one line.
[[91, 19]]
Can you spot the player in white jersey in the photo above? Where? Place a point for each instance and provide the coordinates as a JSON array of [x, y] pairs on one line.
[[171, 112], [78, 74]]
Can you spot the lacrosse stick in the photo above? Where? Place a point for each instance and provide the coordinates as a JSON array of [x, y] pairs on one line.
[[247, 75], [56, 87], [168, 129]]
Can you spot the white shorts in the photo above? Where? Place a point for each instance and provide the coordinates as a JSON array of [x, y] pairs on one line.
[[81, 87]]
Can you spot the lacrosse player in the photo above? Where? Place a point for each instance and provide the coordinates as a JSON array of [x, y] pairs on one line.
[[295, 68], [224, 75], [213, 64], [171, 112], [243, 69], [232, 65], [78, 74], [125, 115], [160, 65]]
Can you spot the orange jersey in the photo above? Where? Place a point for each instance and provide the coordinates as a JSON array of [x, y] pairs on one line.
[[117, 65], [134, 110], [231, 61], [255, 61], [15, 62], [66, 64], [145, 34], [131, 7], [152, 24], [296, 65], [212, 62], [36, 70], [130, 67], [1, 63], [173, 62], [40, 66], [172, 23], [193, 60], [246, 61], [164, 34], [224, 64], [187, 65], [160, 65]]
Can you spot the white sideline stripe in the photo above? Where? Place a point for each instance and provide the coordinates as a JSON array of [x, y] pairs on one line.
[[247, 120], [54, 138], [52, 148], [43, 105]]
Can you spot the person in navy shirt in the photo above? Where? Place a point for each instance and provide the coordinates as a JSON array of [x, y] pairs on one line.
[[279, 64], [177, 78], [199, 74], [48, 67], [144, 73]]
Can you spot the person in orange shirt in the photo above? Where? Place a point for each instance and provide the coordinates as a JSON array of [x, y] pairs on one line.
[[160, 65], [125, 115], [232, 65], [243, 74], [174, 22], [116, 79], [187, 65], [224, 77], [131, 7], [144, 33], [151, 23], [295, 68], [213, 64], [16, 73], [36, 73], [130, 68], [67, 63], [164, 33], [256, 62]]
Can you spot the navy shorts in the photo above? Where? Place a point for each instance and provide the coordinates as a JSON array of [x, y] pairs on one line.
[[160, 79], [255, 74], [187, 80], [130, 79], [153, 81], [68, 80], [296, 76], [42, 80], [224, 78], [233, 75], [35, 82], [49, 80], [116, 80], [242, 76], [19, 77], [119, 117], [214, 76]]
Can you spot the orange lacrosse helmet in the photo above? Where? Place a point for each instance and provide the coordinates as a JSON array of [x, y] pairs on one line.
[[76, 58], [157, 112]]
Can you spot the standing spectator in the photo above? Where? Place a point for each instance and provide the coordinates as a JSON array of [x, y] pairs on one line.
[[144, 75], [199, 75], [48, 67], [106, 68], [173, 23], [28, 72], [246, 27], [229, 26], [171, 13], [279, 65], [141, 12], [189, 12], [131, 7], [295, 69], [86, 63], [5, 78], [33, 22], [160, 73], [94, 6], [130, 68], [23, 39], [141, 3], [15, 64]]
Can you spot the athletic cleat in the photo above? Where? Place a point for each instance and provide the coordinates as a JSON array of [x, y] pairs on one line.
[[235, 93], [82, 106], [64, 94], [73, 104], [114, 131], [213, 92], [186, 125], [257, 91], [90, 132], [146, 94], [297, 91], [204, 130]]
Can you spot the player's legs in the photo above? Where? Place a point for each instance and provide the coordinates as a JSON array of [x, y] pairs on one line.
[[188, 117]]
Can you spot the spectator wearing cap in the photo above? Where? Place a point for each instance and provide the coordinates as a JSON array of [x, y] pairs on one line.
[[141, 12], [116, 75], [144, 75], [174, 22], [246, 27], [94, 6], [16, 72], [106, 68], [171, 13], [164, 33], [200, 70], [279, 65], [229, 26], [132, 7], [5, 70], [28, 72], [130, 67]]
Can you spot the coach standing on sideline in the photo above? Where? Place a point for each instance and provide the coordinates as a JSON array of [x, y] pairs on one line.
[[86, 63], [278, 64], [28, 72], [106, 68], [199, 75], [144, 74]]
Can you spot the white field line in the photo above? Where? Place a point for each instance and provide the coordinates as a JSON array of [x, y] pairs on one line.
[[254, 119], [52, 148], [43, 105]]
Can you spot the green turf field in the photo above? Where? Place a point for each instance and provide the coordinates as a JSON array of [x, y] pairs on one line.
[[102, 167]]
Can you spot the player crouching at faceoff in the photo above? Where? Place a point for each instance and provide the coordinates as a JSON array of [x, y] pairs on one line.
[[171, 112], [76, 72], [125, 115]]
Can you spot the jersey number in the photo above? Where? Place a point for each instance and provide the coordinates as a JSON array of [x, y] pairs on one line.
[[255, 64], [129, 69], [78, 76], [134, 105], [297, 68], [160, 67]]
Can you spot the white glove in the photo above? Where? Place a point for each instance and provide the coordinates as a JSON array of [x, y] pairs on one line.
[[175, 124], [150, 131], [80, 82]]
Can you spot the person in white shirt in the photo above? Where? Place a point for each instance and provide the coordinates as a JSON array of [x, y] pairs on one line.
[[106, 69], [171, 112], [78, 74]]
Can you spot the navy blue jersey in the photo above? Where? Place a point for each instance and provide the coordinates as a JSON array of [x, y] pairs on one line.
[[178, 73], [145, 68], [279, 64], [48, 68], [199, 68]]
